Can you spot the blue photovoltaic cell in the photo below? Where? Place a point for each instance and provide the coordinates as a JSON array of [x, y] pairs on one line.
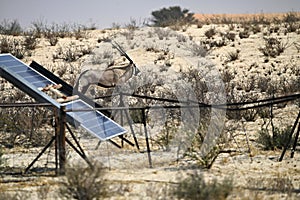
[[94, 121], [9, 60]]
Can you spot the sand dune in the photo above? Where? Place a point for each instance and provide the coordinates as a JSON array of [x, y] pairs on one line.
[[242, 17]]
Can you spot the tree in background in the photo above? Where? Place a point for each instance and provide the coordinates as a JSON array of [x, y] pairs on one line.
[[171, 16]]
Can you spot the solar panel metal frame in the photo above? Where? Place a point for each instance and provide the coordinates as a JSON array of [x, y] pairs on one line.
[[33, 91]]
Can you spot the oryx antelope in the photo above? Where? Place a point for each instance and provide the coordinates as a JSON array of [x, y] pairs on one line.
[[108, 78]]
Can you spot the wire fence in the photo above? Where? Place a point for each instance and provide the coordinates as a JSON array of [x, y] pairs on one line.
[[25, 128], [25, 123], [31, 125], [228, 106]]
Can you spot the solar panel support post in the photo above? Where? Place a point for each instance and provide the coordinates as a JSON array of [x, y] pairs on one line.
[[62, 140], [290, 138], [131, 129], [295, 142], [146, 137], [121, 104], [40, 154], [56, 127], [80, 150]]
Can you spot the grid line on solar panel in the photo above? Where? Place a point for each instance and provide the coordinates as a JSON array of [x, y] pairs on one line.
[[104, 128], [18, 66], [94, 121], [106, 133], [14, 64], [83, 114], [7, 58]]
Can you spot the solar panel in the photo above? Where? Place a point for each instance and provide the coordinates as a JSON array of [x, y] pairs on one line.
[[25, 78], [94, 121], [29, 81], [25, 72]]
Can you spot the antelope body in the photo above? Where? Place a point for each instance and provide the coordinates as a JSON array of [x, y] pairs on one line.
[[109, 77]]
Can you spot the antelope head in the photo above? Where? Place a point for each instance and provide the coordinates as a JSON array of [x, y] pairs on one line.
[[123, 53]]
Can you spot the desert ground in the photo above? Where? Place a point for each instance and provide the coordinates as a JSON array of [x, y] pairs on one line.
[[213, 62]]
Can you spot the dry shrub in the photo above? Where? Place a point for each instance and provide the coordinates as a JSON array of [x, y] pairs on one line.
[[210, 33], [206, 146], [104, 57], [15, 196], [278, 184], [291, 21], [230, 36], [10, 27], [84, 183], [52, 38], [162, 33], [2, 159], [198, 50], [13, 45], [71, 52], [273, 47], [195, 187], [24, 126], [233, 55], [244, 34], [166, 135], [248, 114], [227, 76], [129, 34], [43, 191], [55, 31], [30, 41], [132, 25], [277, 140]]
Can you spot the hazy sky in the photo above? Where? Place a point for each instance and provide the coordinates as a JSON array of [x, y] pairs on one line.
[[105, 13]]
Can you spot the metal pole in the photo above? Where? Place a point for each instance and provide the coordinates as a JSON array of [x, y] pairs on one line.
[[122, 122], [295, 142], [32, 123], [80, 151], [40, 154], [56, 128], [129, 122], [62, 140], [122, 111], [146, 137], [290, 138], [54, 138], [131, 128]]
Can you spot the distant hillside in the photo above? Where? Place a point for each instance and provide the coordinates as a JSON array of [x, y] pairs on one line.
[[242, 17]]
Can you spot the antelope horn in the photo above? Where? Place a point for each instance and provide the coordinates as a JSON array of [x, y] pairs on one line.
[[119, 48]]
